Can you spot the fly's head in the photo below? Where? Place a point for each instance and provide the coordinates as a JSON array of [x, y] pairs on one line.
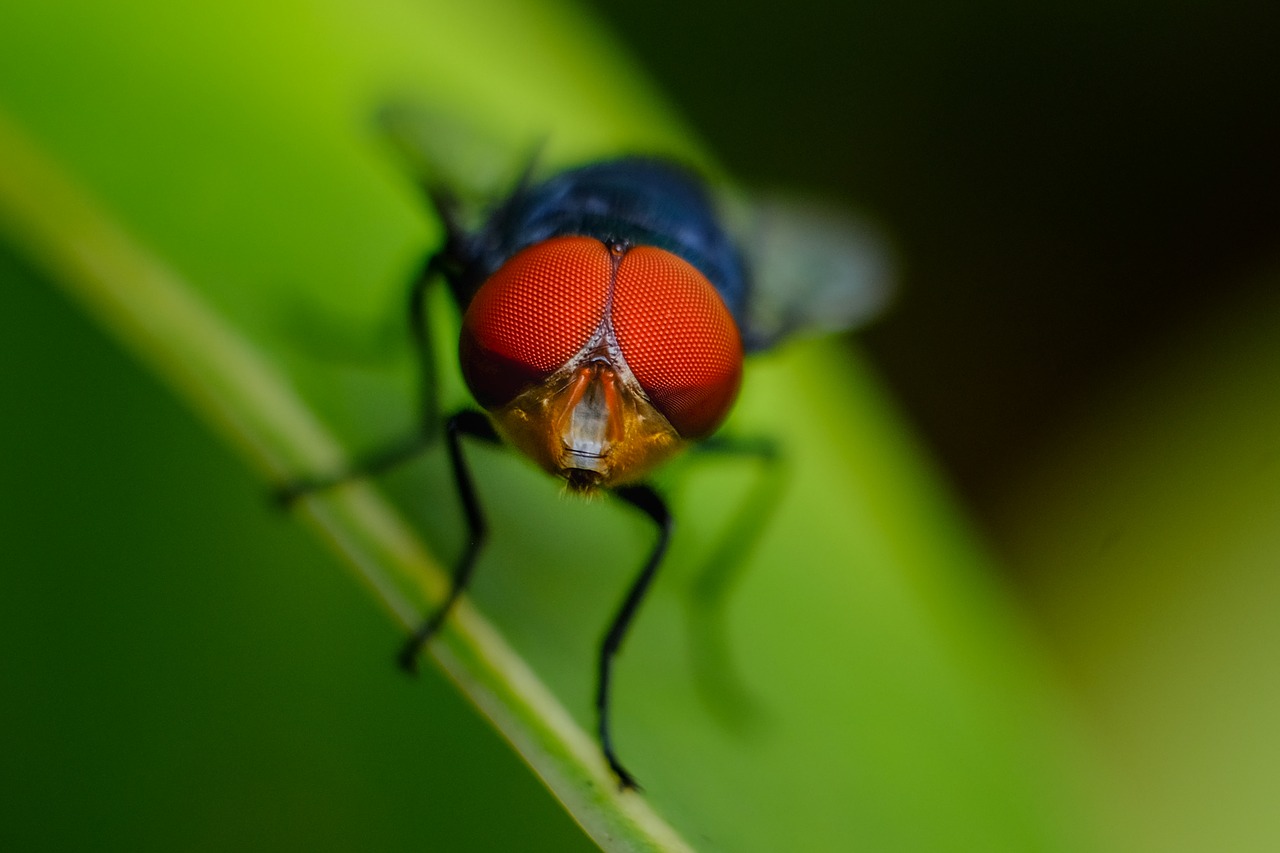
[[600, 360]]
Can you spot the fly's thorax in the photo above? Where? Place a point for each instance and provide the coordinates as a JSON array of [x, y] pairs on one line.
[[590, 424]]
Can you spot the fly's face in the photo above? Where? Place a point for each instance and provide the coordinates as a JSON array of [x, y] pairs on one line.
[[600, 359]]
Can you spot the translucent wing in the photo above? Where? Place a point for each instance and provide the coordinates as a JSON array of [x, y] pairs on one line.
[[814, 269], [471, 166]]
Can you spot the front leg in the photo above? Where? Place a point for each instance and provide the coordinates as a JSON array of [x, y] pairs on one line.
[[715, 675], [465, 424], [392, 456], [645, 499]]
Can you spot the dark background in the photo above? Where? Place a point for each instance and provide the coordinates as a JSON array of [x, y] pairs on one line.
[[1063, 181]]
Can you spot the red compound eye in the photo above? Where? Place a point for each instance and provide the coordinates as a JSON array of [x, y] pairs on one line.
[[533, 315], [678, 339]]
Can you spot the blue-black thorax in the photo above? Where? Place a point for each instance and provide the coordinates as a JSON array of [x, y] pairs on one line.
[[637, 200]]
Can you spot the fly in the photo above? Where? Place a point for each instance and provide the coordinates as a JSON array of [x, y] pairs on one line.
[[606, 312]]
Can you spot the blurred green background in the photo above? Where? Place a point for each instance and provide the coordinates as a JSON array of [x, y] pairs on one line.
[[1086, 201], [1086, 197], [187, 669]]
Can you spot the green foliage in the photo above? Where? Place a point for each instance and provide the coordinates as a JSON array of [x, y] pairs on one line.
[[1149, 525]]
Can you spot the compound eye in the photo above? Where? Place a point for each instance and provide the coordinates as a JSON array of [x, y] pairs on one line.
[[532, 316], [678, 338]]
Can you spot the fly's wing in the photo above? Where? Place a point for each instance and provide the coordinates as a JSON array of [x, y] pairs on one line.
[[813, 269], [458, 162]]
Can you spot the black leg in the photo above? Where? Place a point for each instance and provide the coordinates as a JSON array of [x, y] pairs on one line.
[[420, 332], [377, 463], [749, 520], [393, 456], [647, 501], [714, 671], [469, 424]]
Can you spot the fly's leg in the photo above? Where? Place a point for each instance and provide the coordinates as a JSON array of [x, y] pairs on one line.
[[647, 501], [420, 332], [714, 672], [392, 456], [470, 424], [379, 462], [749, 520], [465, 424]]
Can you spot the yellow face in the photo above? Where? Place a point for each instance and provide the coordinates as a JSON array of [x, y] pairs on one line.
[[591, 425]]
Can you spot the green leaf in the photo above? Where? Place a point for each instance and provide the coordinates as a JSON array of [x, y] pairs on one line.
[[1148, 530], [210, 186]]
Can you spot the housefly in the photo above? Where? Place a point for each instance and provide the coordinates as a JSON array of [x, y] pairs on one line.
[[606, 311]]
